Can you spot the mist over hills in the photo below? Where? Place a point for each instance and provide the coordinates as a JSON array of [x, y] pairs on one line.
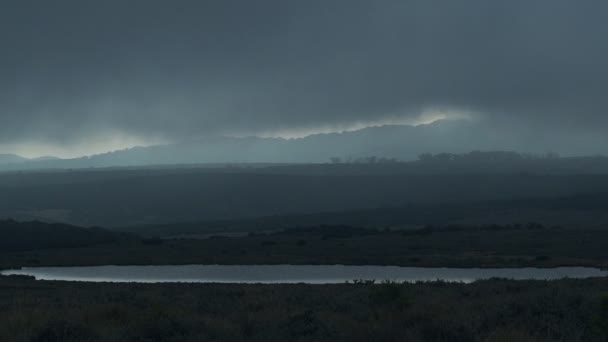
[[401, 142], [11, 159]]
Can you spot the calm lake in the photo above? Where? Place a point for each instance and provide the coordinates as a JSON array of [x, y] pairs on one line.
[[312, 274]]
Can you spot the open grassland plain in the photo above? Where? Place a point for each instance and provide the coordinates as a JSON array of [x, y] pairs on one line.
[[493, 310]]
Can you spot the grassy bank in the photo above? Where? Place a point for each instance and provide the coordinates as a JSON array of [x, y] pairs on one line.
[[452, 246], [494, 310]]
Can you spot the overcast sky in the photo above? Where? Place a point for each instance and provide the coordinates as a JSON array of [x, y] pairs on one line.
[[82, 76]]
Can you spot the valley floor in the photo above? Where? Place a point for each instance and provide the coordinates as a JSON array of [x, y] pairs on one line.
[[492, 310]]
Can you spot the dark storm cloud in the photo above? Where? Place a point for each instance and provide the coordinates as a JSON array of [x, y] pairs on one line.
[[185, 68]]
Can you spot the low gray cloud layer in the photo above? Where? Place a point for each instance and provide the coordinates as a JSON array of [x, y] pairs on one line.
[[174, 69]]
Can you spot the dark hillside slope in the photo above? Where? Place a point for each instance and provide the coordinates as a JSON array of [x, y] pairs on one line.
[[579, 211], [167, 198], [23, 236]]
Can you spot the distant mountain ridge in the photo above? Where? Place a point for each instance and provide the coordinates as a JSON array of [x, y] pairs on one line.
[[11, 158], [17, 159], [402, 142]]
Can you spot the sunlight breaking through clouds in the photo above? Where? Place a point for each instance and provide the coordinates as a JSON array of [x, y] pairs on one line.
[[426, 117], [94, 144]]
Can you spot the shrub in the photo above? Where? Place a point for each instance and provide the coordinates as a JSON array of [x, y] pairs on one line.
[[390, 294]]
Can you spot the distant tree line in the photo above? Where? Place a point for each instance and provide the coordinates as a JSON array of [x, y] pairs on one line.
[[470, 157], [364, 160], [489, 156]]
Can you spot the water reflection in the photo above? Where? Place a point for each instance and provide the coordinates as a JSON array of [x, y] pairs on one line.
[[312, 274]]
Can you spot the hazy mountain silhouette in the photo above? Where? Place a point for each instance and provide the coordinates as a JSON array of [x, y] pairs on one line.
[[16, 161], [44, 158], [402, 142], [11, 159]]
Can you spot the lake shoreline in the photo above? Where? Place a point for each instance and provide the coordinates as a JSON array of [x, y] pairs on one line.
[[294, 274]]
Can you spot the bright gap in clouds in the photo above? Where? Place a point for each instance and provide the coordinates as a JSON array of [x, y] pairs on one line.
[[101, 143], [426, 117]]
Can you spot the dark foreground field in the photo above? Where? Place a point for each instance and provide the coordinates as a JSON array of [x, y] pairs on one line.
[[494, 310]]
